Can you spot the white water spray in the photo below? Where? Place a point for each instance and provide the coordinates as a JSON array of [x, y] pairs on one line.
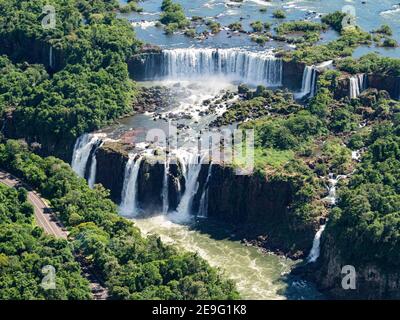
[[309, 82], [358, 84], [191, 166], [258, 68], [165, 189], [82, 150], [129, 201], [331, 199], [316, 248]]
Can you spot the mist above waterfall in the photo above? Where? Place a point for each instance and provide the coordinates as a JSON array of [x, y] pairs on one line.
[[255, 68]]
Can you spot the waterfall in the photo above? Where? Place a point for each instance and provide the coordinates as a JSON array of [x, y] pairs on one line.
[[316, 248], [165, 190], [309, 82], [331, 198], [191, 166], [93, 166], [258, 68], [358, 84], [203, 208], [82, 150], [129, 201]]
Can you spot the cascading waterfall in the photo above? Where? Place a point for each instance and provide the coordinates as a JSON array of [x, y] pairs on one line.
[[203, 207], [191, 166], [358, 84], [165, 190], [331, 199], [82, 150], [250, 67], [316, 248], [309, 82], [129, 201], [93, 166]]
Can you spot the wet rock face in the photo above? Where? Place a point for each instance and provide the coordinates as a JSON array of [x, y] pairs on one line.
[[379, 82], [387, 83], [371, 282], [292, 75], [260, 209], [110, 171], [24, 49], [145, 66]]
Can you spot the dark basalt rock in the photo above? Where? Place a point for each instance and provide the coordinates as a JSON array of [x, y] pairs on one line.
[[388, 83], [371, 281], [292, 77], [24, 49], [111, 163], [258, 208]]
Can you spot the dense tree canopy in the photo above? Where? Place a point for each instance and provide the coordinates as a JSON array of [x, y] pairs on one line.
[[90, 47], [133, 267], [25, 250]]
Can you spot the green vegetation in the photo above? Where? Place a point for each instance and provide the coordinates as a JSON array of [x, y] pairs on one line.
[[279, 14], [303, 31], [334, 20], [236, 26], [214, 26], [25, 250], [370, 63], [257, 26], [350, 38], [173, 16], [384, 29], [133, 267], [367, 218], [132, 6], [91, 87], [389, 43]]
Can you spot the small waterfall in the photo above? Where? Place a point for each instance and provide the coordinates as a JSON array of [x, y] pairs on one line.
[[316, 248], [93, 166], [309, 83], [250, 67], [358, 84], [129, 201], [165, 190], [203, 208], [331, 198], [191, 166], [82, 150]]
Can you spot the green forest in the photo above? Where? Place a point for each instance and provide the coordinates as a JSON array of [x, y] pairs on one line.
[[57, 84]]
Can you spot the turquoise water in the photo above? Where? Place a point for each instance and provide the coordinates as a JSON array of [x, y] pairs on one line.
[[370, 16], [258, 275]]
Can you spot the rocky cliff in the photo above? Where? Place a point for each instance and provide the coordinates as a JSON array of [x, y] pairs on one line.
[[292, 75], [256, 207], [21, 48], [371, 282]]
